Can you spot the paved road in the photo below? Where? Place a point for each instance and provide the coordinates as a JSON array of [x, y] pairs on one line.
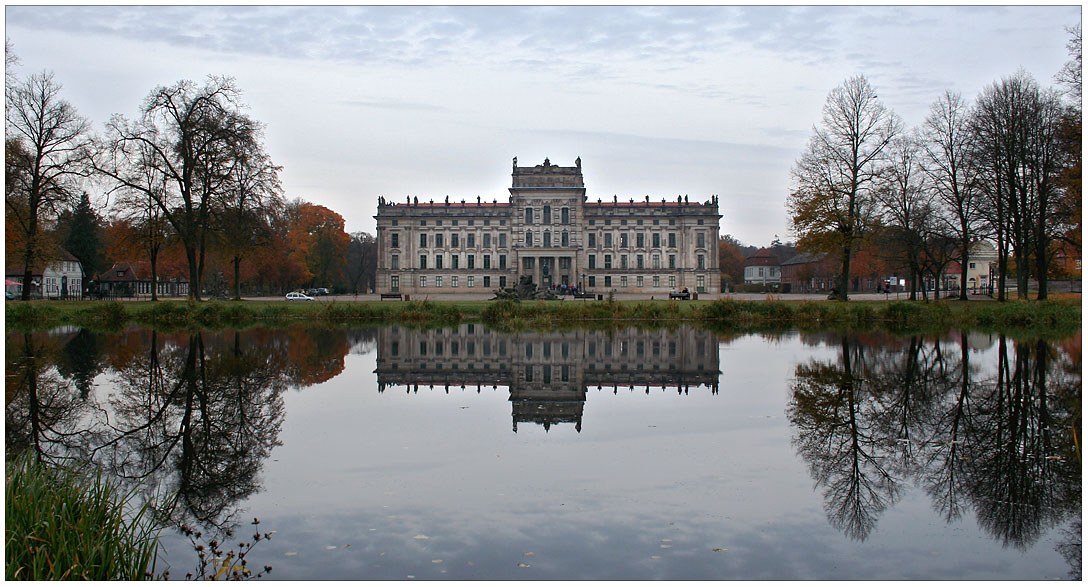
[[729, 296]]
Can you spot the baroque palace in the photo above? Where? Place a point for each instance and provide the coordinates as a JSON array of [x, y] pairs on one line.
[[551, 232]]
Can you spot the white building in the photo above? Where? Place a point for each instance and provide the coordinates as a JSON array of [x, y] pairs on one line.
[[548, 230]]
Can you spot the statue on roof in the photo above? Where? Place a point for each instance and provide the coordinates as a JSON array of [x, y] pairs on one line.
[[515, 163], [578, 162], [547, 163]]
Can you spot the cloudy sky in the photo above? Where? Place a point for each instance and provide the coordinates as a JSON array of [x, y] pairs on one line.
[[361, 102]]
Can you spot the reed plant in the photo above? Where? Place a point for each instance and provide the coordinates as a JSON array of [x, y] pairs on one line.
[[61, 525]]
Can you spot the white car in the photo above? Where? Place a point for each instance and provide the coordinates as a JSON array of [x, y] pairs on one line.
[[295, 295]]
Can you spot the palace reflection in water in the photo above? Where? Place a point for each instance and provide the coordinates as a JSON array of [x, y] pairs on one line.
[[547, 373]]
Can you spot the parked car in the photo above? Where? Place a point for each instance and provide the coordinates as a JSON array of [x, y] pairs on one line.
[[322, 291], [9, 295], [297, 295]]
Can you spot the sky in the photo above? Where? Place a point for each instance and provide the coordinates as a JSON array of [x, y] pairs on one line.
[[433, 101]]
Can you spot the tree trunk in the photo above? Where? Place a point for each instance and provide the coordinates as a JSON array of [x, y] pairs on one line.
[[844, 279], [237, 262]]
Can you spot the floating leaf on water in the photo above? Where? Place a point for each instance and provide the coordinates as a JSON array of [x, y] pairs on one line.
[[411, 576], [656, 556], [347, 546], [436, 561], [666, 540], [290, 554], [523, 565], [721, 549], [420, 537], [330, 548], [530, 554]]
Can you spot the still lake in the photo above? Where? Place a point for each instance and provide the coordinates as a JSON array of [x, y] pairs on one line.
[[469, 454]]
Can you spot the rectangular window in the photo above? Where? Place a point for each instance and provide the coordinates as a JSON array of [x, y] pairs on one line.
[[623, 261], [608, 261], [502, 280], [657, 281], [394, 240], [438, 261], [608, 240], [528, 239], [592, 240], [471, 280], [487, 281], [423, 240], [502, 239], [394, 262], [700, 239], [487, 261], [608, 281], [423, 261], [640, 238], [527, 263], [564, 240], [700, 283], [502, 261], [455, 260], [422, 281], [672, 261], [547, 239], [437, 240], [471, 238], [657, 239], [623, 240], [657, 261], [700, 262], [394, 283], [672, 282], [593, 261], [487, 240], [455, 240], [672, 240], [638, 281], [639, 261], [547, 214], [623, 281], [592, 281], [438, 281], [528, 216], [471, 261], [564, 216]]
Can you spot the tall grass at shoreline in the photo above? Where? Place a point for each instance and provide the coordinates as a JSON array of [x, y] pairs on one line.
[[61, 525], [898, 316]]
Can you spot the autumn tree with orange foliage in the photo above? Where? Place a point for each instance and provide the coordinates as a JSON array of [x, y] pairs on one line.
[[317, 241]]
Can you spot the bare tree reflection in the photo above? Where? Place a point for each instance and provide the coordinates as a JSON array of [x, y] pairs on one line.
[[999, 442], [836, 432], [43, 410]]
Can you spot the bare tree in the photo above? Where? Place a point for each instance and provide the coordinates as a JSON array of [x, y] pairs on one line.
[[905, 204], [54, 153], [833, 202], [251, 193], [947, 144], [191, 135]]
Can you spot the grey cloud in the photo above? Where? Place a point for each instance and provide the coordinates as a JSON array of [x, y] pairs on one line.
[[390, 105]]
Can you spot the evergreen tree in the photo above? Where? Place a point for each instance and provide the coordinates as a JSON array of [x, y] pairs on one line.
[[82, 240]]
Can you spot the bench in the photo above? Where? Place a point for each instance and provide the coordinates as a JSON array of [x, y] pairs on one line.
[[683, 295], [584, 296], [392, 296]]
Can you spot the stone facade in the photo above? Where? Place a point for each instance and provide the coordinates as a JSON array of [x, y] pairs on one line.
[[548, 229]]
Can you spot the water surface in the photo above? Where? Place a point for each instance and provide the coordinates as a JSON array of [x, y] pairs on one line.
[[674, 454]]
